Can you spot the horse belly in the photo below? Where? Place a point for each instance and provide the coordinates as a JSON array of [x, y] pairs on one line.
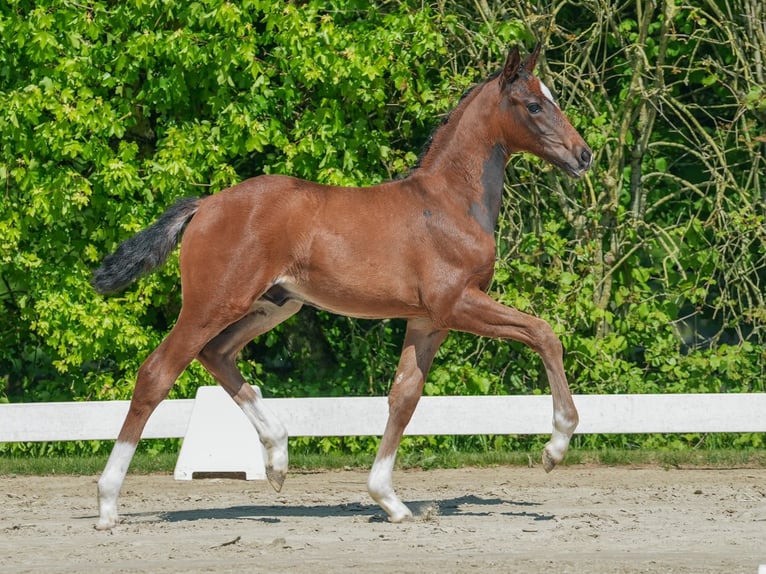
[[352, 299]]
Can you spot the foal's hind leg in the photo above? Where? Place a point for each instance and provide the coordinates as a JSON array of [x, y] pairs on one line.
[[219, 357], [155, 378], [420, 345]]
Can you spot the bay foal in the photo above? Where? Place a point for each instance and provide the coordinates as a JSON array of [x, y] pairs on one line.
[[421, 248]]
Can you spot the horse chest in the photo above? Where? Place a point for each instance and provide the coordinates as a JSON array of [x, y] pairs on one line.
[[461, 243]]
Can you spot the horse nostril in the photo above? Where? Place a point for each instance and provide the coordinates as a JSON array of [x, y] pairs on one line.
[[586, 156]]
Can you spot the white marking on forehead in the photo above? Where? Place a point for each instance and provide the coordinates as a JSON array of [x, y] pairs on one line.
[[547, 93]]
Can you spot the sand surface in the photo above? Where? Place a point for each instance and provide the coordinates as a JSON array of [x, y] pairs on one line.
[[506, 519]]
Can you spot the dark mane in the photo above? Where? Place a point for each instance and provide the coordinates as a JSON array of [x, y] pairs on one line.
[[446, 119]]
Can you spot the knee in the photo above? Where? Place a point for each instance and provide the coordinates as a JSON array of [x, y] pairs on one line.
[[544, 339]]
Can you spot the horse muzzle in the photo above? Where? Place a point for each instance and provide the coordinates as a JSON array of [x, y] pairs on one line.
[[581, 162]]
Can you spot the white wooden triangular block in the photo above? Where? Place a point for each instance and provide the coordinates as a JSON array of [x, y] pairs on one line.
[[219, 439]]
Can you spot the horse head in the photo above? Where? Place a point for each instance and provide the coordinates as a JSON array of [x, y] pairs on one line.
[[532, 120]]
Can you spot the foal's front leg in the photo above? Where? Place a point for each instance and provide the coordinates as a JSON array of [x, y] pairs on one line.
[[420, 345], [476, 312]]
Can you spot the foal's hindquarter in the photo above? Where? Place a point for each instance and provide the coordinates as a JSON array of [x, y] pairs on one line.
[[421, 249]]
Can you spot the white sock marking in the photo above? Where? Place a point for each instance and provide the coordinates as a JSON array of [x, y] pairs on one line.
[[380, 482], [380, 485], [271, 432], [111, 480]]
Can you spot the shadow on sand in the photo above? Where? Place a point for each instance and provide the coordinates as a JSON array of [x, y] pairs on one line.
[[462, 506]]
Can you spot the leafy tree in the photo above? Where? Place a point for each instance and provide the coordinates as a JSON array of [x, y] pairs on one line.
[[651, 269]]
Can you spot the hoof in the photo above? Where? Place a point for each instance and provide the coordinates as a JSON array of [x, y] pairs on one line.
[[548, 462], [104, 525], [400, 517], [276, 478], [397, 511]]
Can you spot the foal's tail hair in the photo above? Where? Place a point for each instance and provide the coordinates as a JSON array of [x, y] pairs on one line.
[[145, 251]]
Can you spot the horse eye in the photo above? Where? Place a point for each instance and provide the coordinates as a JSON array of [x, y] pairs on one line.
[[534, 108]]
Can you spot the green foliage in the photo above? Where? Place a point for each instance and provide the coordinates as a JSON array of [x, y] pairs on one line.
[[651, 269]]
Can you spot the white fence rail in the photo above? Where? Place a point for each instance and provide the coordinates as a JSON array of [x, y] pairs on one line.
[[434, 416]]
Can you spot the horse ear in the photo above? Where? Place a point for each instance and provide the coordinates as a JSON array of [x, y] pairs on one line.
[[531, 60], [511, 68]]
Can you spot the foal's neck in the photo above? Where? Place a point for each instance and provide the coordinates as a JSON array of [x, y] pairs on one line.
[[469, 152]]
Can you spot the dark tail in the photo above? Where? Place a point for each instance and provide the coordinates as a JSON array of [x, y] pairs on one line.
[[146, 250]]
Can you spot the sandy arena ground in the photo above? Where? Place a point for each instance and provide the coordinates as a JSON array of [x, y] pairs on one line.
[[578, 519]]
